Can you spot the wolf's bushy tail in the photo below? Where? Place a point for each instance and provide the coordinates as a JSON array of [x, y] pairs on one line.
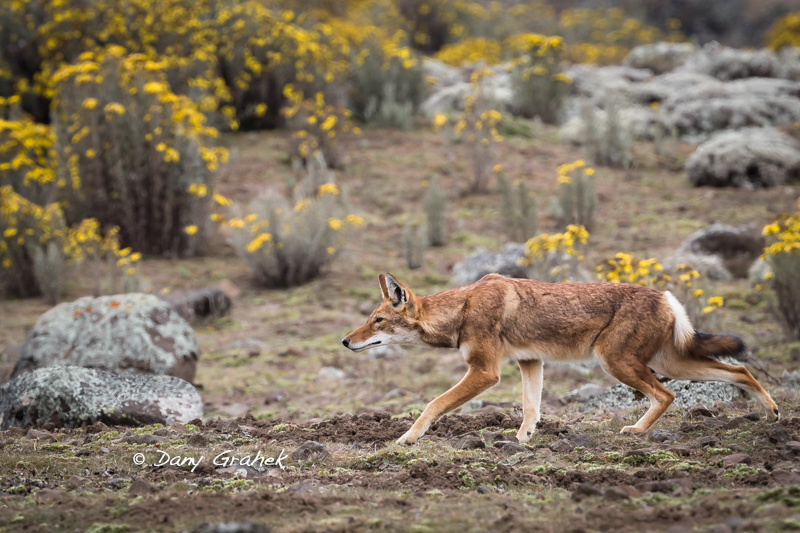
[[701, 345]]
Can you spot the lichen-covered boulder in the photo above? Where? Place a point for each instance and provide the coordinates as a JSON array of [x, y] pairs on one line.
[[71, 396], [128, 332], [687, 394], [720, 251], [749, 158]]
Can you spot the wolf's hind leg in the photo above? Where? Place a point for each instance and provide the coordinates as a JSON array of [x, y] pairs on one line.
[[709, 369], [532, 377], [634, 373]]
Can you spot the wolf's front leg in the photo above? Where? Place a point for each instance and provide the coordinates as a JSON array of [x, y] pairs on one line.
[[532, 377], [473, 383]]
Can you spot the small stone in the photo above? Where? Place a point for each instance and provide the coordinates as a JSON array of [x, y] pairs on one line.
[[662, 435], [709, 440], [228, 426], [778, 434], [140, 487], [585, 490], [738, 422], [579, 439], [196, 439], [792, 450], [753, 417], [615, 493], [470, 442], [510, 447], [83, 452], [700, 411], [736, 459], [562, 446], [714, 423], [103, 449], [584, 393], [38, 434], [331, 372], [483, 489], [308, 449], [231, 527]]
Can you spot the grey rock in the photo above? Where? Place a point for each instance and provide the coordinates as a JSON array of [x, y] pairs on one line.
[[724, 63], [748, 157], [792, 450], [72, 396], [791, 379], [778, 434], [121, 333], [510, 447], [687, 394], [505, 263], [736, 459], [660, 57], [232, 527], [199, 304], [585, 490], [733, 250], [662, 435], [584, 393], [309, 449], [562, 446], [331, 372], [469, 442]]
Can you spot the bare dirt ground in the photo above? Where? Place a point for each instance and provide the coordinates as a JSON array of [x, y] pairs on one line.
[[259, 375]]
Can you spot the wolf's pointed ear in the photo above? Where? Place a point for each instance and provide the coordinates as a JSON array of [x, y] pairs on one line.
[[393, 290]]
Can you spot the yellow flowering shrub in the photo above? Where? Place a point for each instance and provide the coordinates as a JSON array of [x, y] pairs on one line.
[[605, 36], [783, 256], [471, 50], [128, 148], [287, 244], [556, 257], [476, 128], [27, 159], [319, 126], [387, 82], [785, 32], [539, 86], [37, 245], [684, 282], [576, 194]]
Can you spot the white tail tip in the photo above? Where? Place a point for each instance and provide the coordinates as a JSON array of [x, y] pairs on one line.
[[684, 331]]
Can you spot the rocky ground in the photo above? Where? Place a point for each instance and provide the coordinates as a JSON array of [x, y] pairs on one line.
[[704, 469]]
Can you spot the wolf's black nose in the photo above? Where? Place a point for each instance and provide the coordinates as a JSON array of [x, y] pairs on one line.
[[346, 342]]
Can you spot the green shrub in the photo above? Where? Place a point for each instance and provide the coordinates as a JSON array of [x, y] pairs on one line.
[[388, 86], [414, 244], [783, 256], [518, 210], [290, 243], [538, 85], [435, 202]]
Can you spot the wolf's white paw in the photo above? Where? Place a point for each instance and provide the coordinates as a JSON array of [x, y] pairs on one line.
[[409, 437], [632, 429]]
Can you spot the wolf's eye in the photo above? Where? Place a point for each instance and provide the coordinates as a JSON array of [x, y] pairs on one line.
[[378, 319]]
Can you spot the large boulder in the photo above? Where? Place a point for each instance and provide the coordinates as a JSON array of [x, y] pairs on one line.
[[749, 158], [129, 332], [706, 107], [687, 394], [719, 251], [505, 262], [71, 396], [660, 57], [726, 63]]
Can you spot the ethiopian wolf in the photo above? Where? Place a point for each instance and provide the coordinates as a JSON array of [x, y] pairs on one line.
[[627, 329]]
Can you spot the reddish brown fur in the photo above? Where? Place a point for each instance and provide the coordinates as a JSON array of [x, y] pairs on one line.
[[627, 328]]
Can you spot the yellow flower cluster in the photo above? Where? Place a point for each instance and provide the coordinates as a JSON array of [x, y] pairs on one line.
[[568, 243], [785, 32], [319, 124], [606, 35], [623, 268], [784, 235], [25, 226], [565, 171], [26, 154]]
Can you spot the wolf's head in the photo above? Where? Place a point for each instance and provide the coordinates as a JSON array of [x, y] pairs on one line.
[[395, 321]]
